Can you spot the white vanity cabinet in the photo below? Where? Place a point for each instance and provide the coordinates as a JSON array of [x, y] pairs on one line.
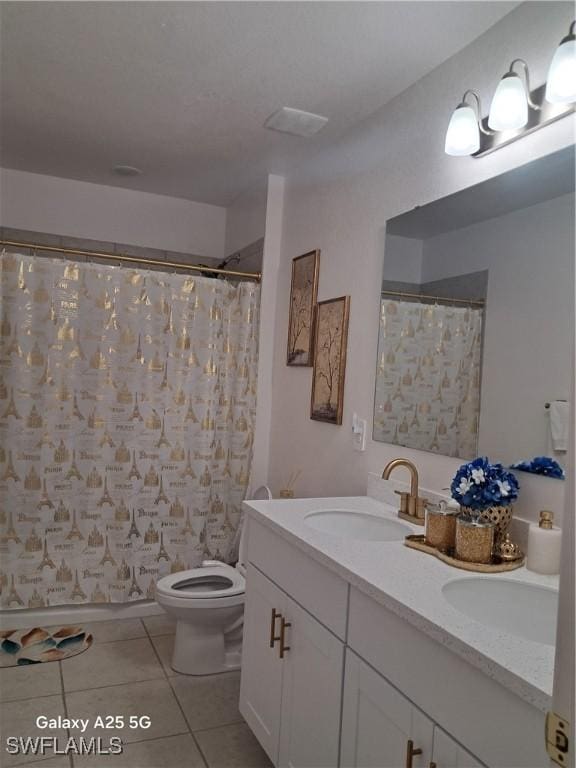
[[358, 685], [381, 728], [291, 678], [494, 725]]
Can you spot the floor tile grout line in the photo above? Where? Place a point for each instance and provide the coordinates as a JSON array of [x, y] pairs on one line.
[[79, 690], [156, 738], [112, 685], [29, 698], [221, 725], [68, 733], [62, 689], [33, 762], [194, 739], [128, 639], [200, 752]]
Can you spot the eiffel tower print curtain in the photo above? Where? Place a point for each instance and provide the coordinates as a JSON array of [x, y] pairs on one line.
[[127, 406], [428, 377]]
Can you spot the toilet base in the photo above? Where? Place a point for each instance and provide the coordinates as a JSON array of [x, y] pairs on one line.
[[204, 650]]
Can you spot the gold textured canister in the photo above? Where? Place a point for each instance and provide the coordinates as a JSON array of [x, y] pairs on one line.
[[474, 540], [441, 526]]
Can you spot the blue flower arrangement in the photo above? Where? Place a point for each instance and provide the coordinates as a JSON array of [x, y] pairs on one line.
[[480, 484], [541, 465]]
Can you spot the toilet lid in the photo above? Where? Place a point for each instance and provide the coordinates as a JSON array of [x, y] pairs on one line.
[[198, 583]]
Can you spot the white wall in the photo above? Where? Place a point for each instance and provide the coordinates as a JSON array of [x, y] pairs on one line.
[[79, 209], [344, 216], [529, 255], [404, 259], [246, 219]]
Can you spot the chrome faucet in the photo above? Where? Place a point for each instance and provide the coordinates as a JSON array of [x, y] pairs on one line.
[[411, 506]]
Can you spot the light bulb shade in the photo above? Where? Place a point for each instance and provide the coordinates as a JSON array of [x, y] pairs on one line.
[[561, 83], [509, 108], [463, 134]]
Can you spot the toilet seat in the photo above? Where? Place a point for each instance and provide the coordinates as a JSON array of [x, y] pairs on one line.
[[213, 584]]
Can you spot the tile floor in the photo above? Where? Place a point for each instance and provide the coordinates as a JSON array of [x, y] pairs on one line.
[[195, 722]]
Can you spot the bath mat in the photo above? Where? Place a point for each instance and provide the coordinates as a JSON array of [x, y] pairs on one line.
[[19, 647]]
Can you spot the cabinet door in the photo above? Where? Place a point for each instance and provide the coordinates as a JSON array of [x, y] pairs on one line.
[[261, 682], [449, 754], [311, 693], [378, 722]]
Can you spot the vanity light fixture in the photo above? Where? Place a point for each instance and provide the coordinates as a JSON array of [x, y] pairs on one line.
[[463, 134], [561, 84], [516, 110], [509, 108]]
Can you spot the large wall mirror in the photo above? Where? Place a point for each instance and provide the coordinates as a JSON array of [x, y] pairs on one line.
[[477, 301]]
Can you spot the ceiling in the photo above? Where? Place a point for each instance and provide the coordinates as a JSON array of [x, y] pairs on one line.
[[181, 89]]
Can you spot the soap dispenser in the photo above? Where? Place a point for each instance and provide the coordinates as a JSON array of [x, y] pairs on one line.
[[544, 545]]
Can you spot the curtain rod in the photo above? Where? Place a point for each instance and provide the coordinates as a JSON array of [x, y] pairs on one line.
[[471, 302], [134, 259]]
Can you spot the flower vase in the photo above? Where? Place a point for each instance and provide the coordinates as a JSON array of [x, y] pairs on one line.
[[500, 516]]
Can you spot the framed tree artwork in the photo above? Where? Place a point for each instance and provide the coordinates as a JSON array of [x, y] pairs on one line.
[[303, 292], [331, 335]]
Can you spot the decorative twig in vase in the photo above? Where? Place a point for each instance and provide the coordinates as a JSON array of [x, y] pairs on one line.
[[288, 491]]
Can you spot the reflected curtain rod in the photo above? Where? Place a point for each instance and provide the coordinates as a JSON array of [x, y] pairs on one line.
[[401, 294], [133, 259]]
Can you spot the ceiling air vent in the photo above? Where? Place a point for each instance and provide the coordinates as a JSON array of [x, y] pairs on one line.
[[296, 122]]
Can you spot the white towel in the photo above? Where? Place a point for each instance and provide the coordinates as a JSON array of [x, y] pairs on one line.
[[558, 414]]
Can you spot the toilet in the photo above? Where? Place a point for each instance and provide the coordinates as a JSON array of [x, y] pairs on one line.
[[208, 605]]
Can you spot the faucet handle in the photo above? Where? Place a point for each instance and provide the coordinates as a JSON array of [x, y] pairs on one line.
[[421, 507], [403, 500]]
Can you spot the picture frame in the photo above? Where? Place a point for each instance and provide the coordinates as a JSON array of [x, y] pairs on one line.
[[303, 295], [330, 343]]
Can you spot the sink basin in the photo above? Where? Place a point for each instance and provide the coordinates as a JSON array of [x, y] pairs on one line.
[[520, 609], [356, 525]]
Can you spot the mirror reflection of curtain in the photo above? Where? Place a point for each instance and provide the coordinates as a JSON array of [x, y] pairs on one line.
[[428, 377], [127, 406]]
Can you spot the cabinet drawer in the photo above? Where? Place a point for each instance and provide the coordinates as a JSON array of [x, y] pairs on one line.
[[489, 720], [313, 586]]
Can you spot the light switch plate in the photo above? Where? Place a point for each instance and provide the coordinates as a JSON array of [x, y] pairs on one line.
[[359, 427]]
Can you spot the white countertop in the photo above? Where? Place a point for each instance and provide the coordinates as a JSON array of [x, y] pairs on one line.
[[409, 583]]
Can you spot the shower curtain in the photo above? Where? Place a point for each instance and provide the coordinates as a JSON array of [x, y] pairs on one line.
[[428, 377], [127, 407]]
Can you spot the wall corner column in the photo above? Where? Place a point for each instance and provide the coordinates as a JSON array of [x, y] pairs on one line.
[[268, 302]]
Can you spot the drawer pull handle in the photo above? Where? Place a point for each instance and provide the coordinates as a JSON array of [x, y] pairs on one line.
[[283, 647], [273, 636], [411, 750]]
